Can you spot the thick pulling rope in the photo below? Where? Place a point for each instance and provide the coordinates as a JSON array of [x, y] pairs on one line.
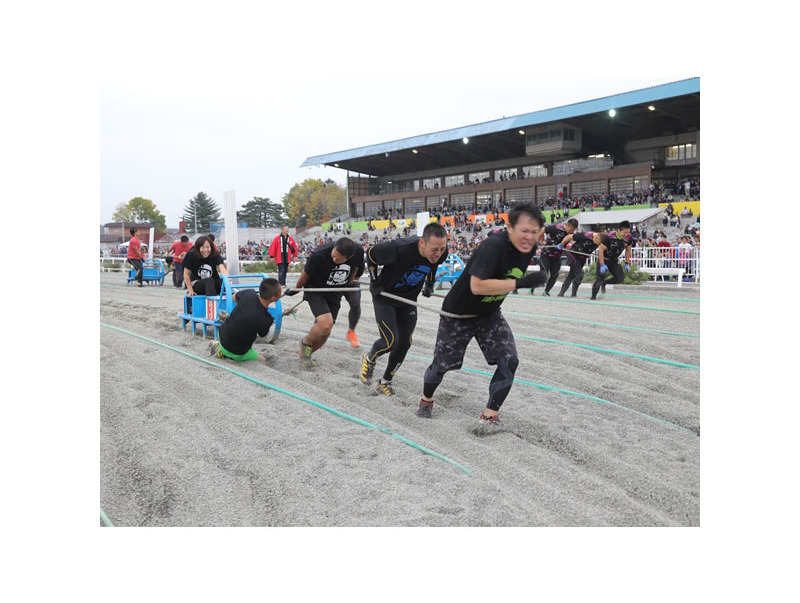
[[333, 411], [413, 303]]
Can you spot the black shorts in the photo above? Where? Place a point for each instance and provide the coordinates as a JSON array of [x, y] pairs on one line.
[[324, 303]]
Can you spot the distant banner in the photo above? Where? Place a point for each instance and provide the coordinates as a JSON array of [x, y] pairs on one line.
[[402, 223]]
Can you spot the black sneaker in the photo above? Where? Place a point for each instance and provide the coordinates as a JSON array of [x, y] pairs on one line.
[[560, 295], [574, 295], [387, 389], [366, 370], [546, 294], [425, 408]]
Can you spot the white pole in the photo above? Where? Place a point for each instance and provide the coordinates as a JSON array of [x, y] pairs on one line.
[[152, 243], [231, 232], [422, 221]]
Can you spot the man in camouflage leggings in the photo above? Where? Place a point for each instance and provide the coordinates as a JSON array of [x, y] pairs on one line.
[[493, 271]]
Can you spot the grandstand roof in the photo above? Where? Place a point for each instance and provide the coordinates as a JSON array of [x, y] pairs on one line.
[[677, 110], [615, 217]]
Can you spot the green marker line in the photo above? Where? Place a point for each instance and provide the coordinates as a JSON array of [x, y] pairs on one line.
[[600, 324], [597, 303], [329, 409], [607, 351], [537, 385], [675, 299], [106, 521]]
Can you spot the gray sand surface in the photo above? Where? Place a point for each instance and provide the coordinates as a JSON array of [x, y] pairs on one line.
[[185, 443]]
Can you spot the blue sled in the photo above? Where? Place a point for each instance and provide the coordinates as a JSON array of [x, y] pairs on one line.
[[204, 310], [450, 270]]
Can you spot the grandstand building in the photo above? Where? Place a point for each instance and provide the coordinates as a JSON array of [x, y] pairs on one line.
[[615, 144]]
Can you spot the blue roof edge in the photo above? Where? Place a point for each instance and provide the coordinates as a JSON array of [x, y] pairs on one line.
[[615, 101]]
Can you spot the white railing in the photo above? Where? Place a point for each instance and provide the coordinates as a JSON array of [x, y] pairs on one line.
[[668, 257]]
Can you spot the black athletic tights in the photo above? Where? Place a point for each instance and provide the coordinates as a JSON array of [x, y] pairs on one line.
[[396, 325], [616, 272]]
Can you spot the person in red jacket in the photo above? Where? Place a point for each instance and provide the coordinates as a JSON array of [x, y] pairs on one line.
[[135, 256], [177, 252], [283, 249]]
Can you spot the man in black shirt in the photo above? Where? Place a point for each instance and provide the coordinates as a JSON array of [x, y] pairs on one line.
[[583, 243], [611, 247], [409, 265], [495, 269], [333, 266], [550, 257], [249, 318]]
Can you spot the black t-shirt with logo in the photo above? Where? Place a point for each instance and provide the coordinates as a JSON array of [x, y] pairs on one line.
[[248, 319], [614, 245], [323, 273], [553, 235], [495, 258], [199, 267], [404, 269]]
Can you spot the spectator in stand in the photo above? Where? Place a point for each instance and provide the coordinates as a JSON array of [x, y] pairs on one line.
[[283, 250], [178, 251], [135, 256]]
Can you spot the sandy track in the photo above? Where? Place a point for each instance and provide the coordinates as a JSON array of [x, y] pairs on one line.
[[185, 443]]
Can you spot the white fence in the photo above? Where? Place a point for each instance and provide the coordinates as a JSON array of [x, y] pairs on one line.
[[659, 258], [643, 257], [668, 257]]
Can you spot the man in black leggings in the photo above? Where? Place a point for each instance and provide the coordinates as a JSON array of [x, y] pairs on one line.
[[550, 258], [611, 247], [583, 244], [409, 266]]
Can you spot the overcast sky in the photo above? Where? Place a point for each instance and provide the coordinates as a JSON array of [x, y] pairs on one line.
[[166, 139]]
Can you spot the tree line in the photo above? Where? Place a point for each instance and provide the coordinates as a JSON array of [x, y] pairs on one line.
[[308, 203]]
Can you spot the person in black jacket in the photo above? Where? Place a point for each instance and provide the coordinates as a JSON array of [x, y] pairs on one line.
[[409, 266]]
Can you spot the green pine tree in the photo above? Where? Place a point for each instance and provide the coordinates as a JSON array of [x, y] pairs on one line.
[[207, 212]]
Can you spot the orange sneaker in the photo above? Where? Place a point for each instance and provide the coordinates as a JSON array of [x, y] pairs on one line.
[[353, 339]]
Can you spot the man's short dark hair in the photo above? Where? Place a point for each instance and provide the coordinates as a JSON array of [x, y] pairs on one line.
[[623, 225], [269, 287], [434, 229], [184, 239], [210, 236], [132, 230], [346, 247], [528, 209], [573, 222]]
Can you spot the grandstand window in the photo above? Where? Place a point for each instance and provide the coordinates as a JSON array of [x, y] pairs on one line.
[[483, 199], [371, 208], [555, 135], [415, 205], [479, 176], [505, 174], [533, 171], [430, 202], [543, 137], [429, 183], [519, 195], [543, 193], [593, 187], [454, 180], [464, 199], [680, 152], [621, 185], [569, 134]]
